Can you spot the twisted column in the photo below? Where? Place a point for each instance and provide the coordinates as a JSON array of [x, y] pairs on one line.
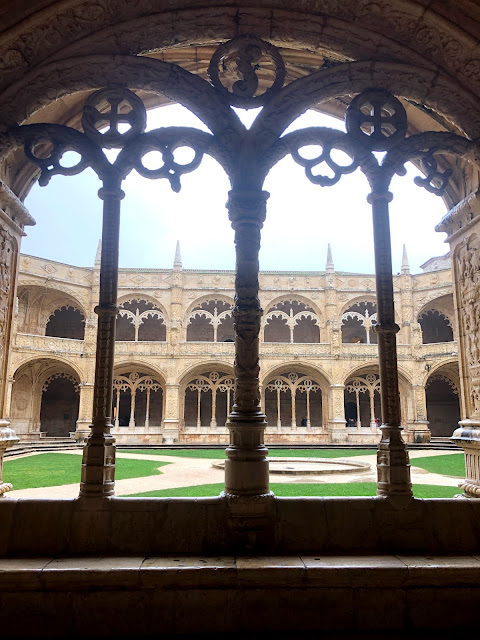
[[246, 469], [98, 463], [393, 464]]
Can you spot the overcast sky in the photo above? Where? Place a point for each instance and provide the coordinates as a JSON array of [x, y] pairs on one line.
[[301, 218]]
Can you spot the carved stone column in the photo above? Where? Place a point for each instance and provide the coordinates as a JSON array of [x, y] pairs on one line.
[[98, 464], [85, 411], [246, 470], [13, 218], [171, 418], [421, 432], [392, 458], [462, 225], [337, 423]]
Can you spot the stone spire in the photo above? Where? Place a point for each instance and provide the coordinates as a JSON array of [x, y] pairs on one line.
[[177, 263], [405, 265], [329, 267], [98, 255]]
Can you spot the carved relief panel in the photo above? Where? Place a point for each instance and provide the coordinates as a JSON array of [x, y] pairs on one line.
[[467, 267]]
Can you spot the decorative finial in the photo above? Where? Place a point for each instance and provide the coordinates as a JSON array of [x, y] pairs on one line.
[[329, 267], [405, 265], [98, 255], [177, 263]]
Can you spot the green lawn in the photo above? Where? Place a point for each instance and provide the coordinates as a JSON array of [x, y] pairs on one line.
[[275, 453], [311, 489], [445, 465], [54, 469]]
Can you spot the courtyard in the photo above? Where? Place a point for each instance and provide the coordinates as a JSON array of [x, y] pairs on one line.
[[191, 473]]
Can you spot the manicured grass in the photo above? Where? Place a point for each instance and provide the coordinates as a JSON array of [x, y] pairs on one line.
[[55, 469], [446, 465], [313, 489], [273, 453]]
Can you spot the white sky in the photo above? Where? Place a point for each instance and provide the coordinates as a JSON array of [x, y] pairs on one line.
[[301, 217]]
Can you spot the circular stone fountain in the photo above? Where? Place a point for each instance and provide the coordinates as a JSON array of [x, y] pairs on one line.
[[309, 466]]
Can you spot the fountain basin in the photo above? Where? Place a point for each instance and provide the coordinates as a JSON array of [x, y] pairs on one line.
[[309, 466]]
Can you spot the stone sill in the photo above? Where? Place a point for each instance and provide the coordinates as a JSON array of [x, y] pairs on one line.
[[238, 572]]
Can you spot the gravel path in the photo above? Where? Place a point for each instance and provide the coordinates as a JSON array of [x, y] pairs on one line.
[[185, 472]]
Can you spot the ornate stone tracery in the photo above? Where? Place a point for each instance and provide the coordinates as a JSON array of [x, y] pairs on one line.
[[289, 384], [134, 384], [213, 383], [376, 122]]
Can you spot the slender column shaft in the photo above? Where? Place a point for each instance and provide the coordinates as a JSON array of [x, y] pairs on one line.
[[213, 421], [372, 407], [392, 458], [359, 419], [279, 413], [98, 464], [228, 401], [308, 409], [246, 470], [117, 412], [199, 399], [133, 395], [147, 409], [293, 393]]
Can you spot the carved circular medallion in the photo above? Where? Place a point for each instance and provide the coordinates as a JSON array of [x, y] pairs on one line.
[[376, 119], [234, 66], [117, 109]]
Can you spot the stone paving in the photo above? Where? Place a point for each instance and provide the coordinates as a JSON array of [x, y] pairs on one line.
[[185, 472]]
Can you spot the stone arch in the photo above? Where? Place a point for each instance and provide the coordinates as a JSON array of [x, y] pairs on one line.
[[293, 319], [372, 406], [142, 295], [207, 394], [37, 304], [295, 396], [436, 320], [442, 395], [363, 297], [205, 298], [140, 319], [345, 78], [356, 30], [66, 322], [138, 396], [210, 320], [358, 321], [46, 398]]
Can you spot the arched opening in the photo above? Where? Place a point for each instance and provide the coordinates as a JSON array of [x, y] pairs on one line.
[[139, 320], [291, 321], [435, 327], [362, 401], [137, 400], [66, 322], [208, 400], [293, 400], [443, 406], [358, 322], [211, 321], [59, 405]]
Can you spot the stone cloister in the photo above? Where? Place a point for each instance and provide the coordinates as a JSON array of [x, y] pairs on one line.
[[315, 343], [405, 76]]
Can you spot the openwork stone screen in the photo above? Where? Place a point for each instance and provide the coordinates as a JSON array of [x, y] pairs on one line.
[[376, 121]]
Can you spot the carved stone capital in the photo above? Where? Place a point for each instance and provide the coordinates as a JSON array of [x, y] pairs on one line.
[[247, 207]]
